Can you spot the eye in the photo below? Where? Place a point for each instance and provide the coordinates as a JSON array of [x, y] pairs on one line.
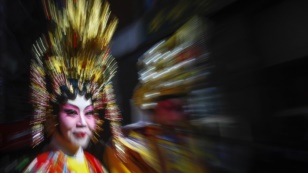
[[89, 113], [70, 112]]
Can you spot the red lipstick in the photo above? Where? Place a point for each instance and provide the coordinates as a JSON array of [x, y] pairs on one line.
[[80, 134]]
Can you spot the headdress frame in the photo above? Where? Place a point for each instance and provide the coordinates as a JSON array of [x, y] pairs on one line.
[[73, 58]]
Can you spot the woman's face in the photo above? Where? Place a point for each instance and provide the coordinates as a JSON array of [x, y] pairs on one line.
[[77, 121]]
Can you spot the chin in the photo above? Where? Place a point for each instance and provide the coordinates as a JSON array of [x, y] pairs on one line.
[[80, 142]]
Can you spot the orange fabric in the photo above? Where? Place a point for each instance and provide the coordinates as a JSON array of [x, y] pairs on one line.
[[173, 153], [131, 161]]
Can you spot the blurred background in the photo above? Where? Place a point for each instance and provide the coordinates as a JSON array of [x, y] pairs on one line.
[[249, 95]]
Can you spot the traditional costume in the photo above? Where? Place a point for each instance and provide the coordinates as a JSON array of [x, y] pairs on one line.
[[168, 71]]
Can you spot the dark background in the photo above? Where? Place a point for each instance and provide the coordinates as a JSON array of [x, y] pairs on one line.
[[260, 54]]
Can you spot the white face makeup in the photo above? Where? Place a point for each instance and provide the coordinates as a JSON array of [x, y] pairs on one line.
[[77, 121]]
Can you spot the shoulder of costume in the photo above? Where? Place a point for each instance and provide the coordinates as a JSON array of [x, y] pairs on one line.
[[90, 156], [94, 162], [38, 162]]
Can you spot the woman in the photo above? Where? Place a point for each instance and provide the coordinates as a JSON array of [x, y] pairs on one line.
[[70, 82]]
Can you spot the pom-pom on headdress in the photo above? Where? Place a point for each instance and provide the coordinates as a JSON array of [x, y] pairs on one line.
[[75, 52]]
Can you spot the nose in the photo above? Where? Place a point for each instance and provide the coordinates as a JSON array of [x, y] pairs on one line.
[[81, 121]]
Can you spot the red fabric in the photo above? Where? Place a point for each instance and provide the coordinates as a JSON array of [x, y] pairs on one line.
[[95, 164]]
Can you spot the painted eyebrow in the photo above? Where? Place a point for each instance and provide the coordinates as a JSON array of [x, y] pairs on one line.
[[88, 107]]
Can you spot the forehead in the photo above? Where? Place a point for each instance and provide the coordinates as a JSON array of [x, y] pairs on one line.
[[80, 101]]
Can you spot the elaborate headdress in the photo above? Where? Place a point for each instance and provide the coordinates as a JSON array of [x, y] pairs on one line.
[[74, 55], [174, 66]]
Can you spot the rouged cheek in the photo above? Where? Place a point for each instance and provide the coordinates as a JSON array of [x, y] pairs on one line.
[[66, 121], [91, 121]]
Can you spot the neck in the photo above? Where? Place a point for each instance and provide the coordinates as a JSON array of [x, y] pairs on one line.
[[67, 148]]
